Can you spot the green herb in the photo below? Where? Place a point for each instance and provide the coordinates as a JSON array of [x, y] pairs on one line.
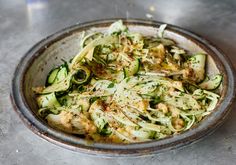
[[111, 85], [93, 99], [105, 130], [154, 101], [81, 88], [152, 135]]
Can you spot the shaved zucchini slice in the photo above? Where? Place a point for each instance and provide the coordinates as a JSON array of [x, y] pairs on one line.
[[213, 83], [91, 46], [99, 118], [197, 63], [132, 69], [62, 73], [89, 38], [81, 76], [57, 74], [65, 83], [60, 86], [117, 27], [52, 76], [48, 100]]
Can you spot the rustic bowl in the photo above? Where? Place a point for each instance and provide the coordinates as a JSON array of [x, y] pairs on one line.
[[49, 52]]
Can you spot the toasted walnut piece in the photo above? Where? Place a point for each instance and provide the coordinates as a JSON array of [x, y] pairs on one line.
[[162, 107], [178, 127], [88, 124], [66, 118], [171, 90], [142, 105], [157, 52], [174, 111], [178, 123], [188, 73]]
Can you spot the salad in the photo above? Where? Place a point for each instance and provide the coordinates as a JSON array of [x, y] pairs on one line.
[[125, 87]]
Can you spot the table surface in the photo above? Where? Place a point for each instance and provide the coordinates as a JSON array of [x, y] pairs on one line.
[[24, 23]]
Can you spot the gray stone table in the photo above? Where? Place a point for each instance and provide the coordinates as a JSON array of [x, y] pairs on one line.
[[23, 23]]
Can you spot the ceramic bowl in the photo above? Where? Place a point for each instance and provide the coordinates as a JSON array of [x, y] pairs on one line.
[[63, 45]]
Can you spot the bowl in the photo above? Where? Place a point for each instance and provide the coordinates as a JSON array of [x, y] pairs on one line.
[[63, 45]]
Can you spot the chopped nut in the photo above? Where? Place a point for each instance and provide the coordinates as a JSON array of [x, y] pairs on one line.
[[174, 111], [187, 73], [178, 123], [178, 127], [142, 105], [171, 90], [162, 107], [66, 118]]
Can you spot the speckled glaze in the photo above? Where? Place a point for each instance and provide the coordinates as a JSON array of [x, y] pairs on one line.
[[49, 52]]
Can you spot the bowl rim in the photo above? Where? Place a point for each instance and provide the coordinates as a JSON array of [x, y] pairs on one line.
[[120, 150]]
